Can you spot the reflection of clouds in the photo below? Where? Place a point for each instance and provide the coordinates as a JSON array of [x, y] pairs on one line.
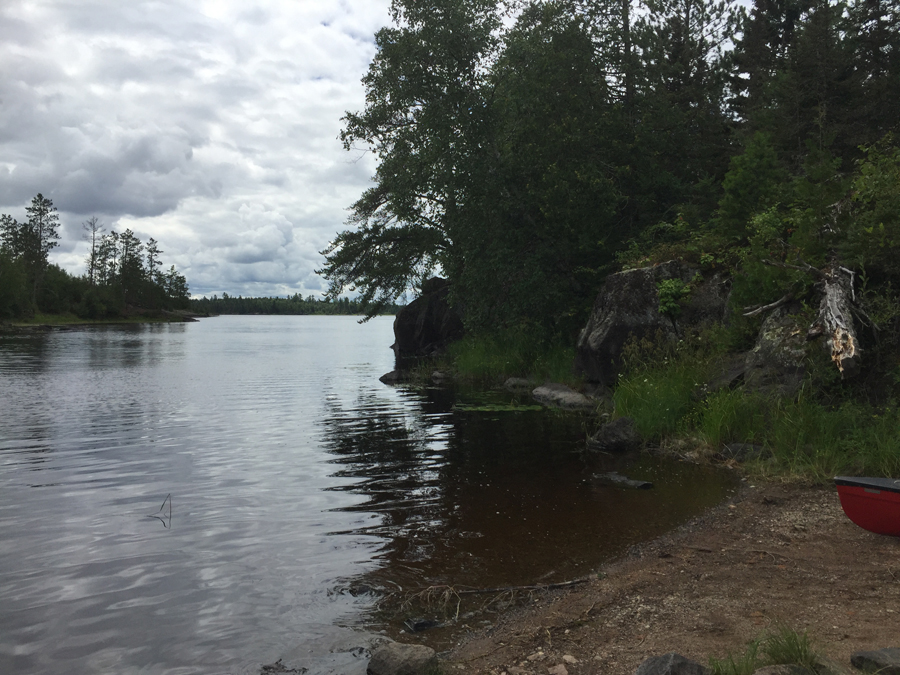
[[169, 118]]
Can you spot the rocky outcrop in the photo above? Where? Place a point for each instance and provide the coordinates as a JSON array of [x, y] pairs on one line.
[[561, 396], [428, 324], [628, 306], [395, 658], [671, 664], [776, 364]]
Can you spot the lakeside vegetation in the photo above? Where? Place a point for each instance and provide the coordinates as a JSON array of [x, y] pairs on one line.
[[526, 150], [123, 278], [294, 304]]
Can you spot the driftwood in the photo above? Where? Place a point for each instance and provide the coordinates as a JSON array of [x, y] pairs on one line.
[[835, 317]]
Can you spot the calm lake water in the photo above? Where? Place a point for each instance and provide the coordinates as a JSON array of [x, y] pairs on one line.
[[213, 496]]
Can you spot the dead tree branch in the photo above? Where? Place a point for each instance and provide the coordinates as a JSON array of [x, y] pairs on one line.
[[759, 309]]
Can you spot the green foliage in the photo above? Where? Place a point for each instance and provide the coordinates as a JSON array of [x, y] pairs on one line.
[[295, 304], [15, 299], [786, 646], [873, 236], [117, 273], [671, 292], [779, 646], [512, 353], [662, 381], [753, 184], [745, 663]]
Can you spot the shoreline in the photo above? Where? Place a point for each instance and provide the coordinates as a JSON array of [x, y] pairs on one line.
[[50, 322], [772, 555]]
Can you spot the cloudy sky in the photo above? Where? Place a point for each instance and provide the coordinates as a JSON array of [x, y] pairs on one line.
[[210, 126]]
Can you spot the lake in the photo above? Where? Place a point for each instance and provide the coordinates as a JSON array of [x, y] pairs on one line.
[[209, 497]]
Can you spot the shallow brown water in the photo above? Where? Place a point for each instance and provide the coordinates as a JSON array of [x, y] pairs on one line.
[[294, 477]]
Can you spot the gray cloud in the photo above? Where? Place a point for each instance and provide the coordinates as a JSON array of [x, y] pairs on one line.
[[214, 133]]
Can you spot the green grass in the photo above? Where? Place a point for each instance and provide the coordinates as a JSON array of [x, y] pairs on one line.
[[745, 663], [780, 646], [786, 646], [492, 359], [664, 393]]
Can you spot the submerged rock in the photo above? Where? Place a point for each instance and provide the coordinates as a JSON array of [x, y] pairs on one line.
[[618, 436], [395, 658], [561, 396], [619, 480]]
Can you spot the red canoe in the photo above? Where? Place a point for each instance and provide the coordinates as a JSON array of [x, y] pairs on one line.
[[871, 503]]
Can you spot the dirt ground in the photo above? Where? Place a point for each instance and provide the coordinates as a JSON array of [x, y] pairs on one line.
[[773, 554]]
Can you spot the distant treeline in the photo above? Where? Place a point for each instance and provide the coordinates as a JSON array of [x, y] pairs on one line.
[[123, 275], [294, 304]]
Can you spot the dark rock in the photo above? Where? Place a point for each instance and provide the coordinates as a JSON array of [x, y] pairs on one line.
[[617, 436], [394, 658], [279, 667], [776, 363], [670, 664], [619, 480], [627, 306], [561, 396], [742, 452], [883, 661], [393, 377], [730, 373], [428, 324], [707, 302], [827, 666]]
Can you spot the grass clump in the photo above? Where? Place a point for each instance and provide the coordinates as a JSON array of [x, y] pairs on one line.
[[512, 353], [745, 663], [664, 391], [780, 646], [786, 646]]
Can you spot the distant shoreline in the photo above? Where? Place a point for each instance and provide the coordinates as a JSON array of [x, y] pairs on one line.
[[48, 322]]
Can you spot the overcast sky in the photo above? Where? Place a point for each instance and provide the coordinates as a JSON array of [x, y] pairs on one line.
[[209, 126]]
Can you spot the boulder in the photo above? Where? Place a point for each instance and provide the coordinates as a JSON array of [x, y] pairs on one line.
[[428, 324], [618, 436], [627, 306], [883, 661], [395, 658], [776, 364], [707, 302], [670, 664], [393, 377], [561, 396]]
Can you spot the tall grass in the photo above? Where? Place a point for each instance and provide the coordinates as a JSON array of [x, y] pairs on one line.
[[779, 646], [492, 359], [805, 438]]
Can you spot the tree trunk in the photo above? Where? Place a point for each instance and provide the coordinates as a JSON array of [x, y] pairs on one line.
[[836, 321]]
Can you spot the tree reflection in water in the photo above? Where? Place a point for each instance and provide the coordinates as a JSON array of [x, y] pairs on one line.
[[487, 499]]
